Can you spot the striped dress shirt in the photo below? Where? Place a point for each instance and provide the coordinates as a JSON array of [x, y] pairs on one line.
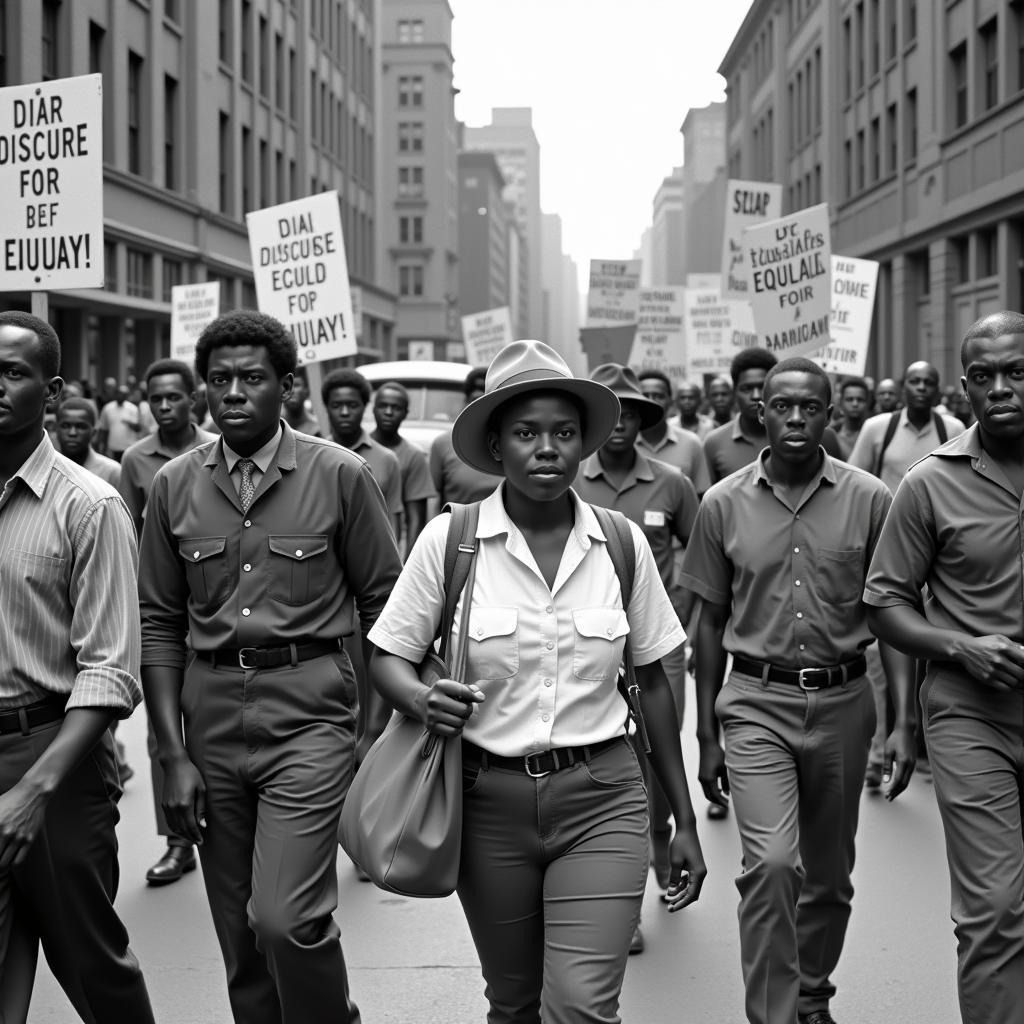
[[68, 564]]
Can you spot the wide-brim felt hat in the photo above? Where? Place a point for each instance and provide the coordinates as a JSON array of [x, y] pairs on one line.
[[519, 368], [624, 383]]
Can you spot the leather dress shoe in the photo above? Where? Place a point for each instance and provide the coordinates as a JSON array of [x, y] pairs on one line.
[[176, 861], [636, 944], [817, 1017]]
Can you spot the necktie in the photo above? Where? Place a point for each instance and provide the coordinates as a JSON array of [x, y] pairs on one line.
[[246, 489]]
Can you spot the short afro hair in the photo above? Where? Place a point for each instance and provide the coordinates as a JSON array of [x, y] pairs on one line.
[[392, 385], [995, 325], [345, 378], [655, 375], [74, 402], [248, 327], [854, 382], [476, 380], [49, 343], [797, 364], [165, 367], [750, 359]]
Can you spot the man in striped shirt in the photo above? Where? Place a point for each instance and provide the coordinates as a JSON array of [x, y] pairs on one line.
[[69, 667]]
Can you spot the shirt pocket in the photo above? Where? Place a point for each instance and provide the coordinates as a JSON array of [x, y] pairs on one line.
[[599, 638], [494, 651], [206, 568], [841, 572], [297, 567]]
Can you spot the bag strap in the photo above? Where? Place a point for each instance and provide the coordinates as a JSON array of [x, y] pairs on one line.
[[622, 552], [890, 433], [459, 552], [940, 427]]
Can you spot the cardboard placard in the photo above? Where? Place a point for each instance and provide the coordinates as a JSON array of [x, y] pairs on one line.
[[614, 296], [486, 334], [853, 305], [660, 342], [716, 329], [746, 203], [193, 306]]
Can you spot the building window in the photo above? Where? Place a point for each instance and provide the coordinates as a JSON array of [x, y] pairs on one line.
[[891, 35], [910, 124], [224, 32], [958, 76], [224, 167], [990, 62], [892, 129], [51, 17], [848, 168], [410, 91], [140, 274], [876, 149], [858, 44], [263, 55], [97, 39], [278, 71], [875, 28], [110, 266], [410, 230], [410, 181], [861, 160], [172, 11], [247, 169], [1018, 18], [247, 41], [3, 42], [173, 277], [410, 137], [911, 21], [410, 281], [988, 252], [847, 59], [170, 131], [134, 113], [923, 268], [410, 31], [961, 259], [293, 83], [279, 176], [264, 174]]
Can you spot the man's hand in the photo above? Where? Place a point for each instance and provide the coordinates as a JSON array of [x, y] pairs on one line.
[[995, 660], [688, 869], [899, 757], [21, 815], [184, 798], [714, 779]]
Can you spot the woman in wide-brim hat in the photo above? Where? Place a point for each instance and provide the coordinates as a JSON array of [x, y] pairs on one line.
[[555, 849]]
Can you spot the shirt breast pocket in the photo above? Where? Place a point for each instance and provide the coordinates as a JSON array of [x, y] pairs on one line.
[[841, 571], [494, 651], [39, 572], [297, 567], [205, 568], [600, 637]]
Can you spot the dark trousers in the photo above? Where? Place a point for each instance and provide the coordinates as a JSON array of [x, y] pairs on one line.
[[976, 742], [275, 750], [551, 880], [796, 765], [61, 896]]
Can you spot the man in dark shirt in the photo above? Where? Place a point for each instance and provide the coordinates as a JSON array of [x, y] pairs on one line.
[[955, 525], [720, 400], [855, 407], [259, 547]]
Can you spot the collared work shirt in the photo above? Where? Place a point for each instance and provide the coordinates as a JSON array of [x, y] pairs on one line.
[[141, 463], [386, 470], [546, 658], [655, 496], [907, 446], [68, 561], [704, 426], [453, 479], [106, 469], [416, 482], [957, 525], [262, 459], [682, 449], [118, 419], [792, 577], [316, 539]]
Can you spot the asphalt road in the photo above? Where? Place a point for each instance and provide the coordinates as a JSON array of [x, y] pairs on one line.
[[412, 960]]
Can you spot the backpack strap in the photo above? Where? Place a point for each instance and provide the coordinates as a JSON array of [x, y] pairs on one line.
[[459, 550], [940, 427], [890, 433], [622, 552]]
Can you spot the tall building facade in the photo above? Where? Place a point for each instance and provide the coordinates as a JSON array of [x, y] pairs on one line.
[[561, 294], [419, 169], [210, 110], [703, 133], [484, 269], [668, 231], [908, 119], [510, 137]]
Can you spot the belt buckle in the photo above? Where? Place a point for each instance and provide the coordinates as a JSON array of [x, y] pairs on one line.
[[529, 768], [800, 678], [242, 652]]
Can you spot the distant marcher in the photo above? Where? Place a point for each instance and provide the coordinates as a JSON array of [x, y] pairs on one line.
[[721, 400], [778, 555], [854, 409], [666, 442], [119, 425], [453, 479], [887, 396], [76, 426], [955, 528], [294, 411], [68, 668], [689, 397], [555, 846]]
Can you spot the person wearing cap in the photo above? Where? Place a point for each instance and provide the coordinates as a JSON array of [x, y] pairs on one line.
[[555, 848], [779, 554], [663, 503]]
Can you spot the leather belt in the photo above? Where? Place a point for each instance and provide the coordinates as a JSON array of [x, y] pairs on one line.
[[805, 678], [270, 657], [542, 763], [41, 712]]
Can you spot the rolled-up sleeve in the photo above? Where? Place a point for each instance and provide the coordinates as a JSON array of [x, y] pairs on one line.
[[905, 551], [105, 610], [706, 568]]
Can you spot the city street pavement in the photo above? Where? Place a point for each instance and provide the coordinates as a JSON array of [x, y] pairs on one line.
[[412, 960]]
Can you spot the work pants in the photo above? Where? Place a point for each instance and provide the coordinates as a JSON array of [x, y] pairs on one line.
[[275, 748], [551, 880], [796, 763], [61, 896], [976, 744]]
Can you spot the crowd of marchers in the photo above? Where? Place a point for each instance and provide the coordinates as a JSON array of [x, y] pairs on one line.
[[839, 564]]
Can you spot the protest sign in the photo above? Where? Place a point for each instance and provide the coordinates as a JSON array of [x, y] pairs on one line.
[[716, 329], [704, 281], [789, 268], [660, 340], [746, 203], [193, 306], [298, 260], [849, 325], [486, 334], [614, 293], [51, 185]]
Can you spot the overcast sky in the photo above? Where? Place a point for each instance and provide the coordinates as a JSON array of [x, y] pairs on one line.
[[609, 83]]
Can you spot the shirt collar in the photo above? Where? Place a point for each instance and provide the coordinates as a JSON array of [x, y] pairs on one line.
[[965, 445], [592, 469], [152, 445], [35, 470], [263, 458], [363, 442], [737, 431], [826, 472], [494, 520], [671, 437]]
